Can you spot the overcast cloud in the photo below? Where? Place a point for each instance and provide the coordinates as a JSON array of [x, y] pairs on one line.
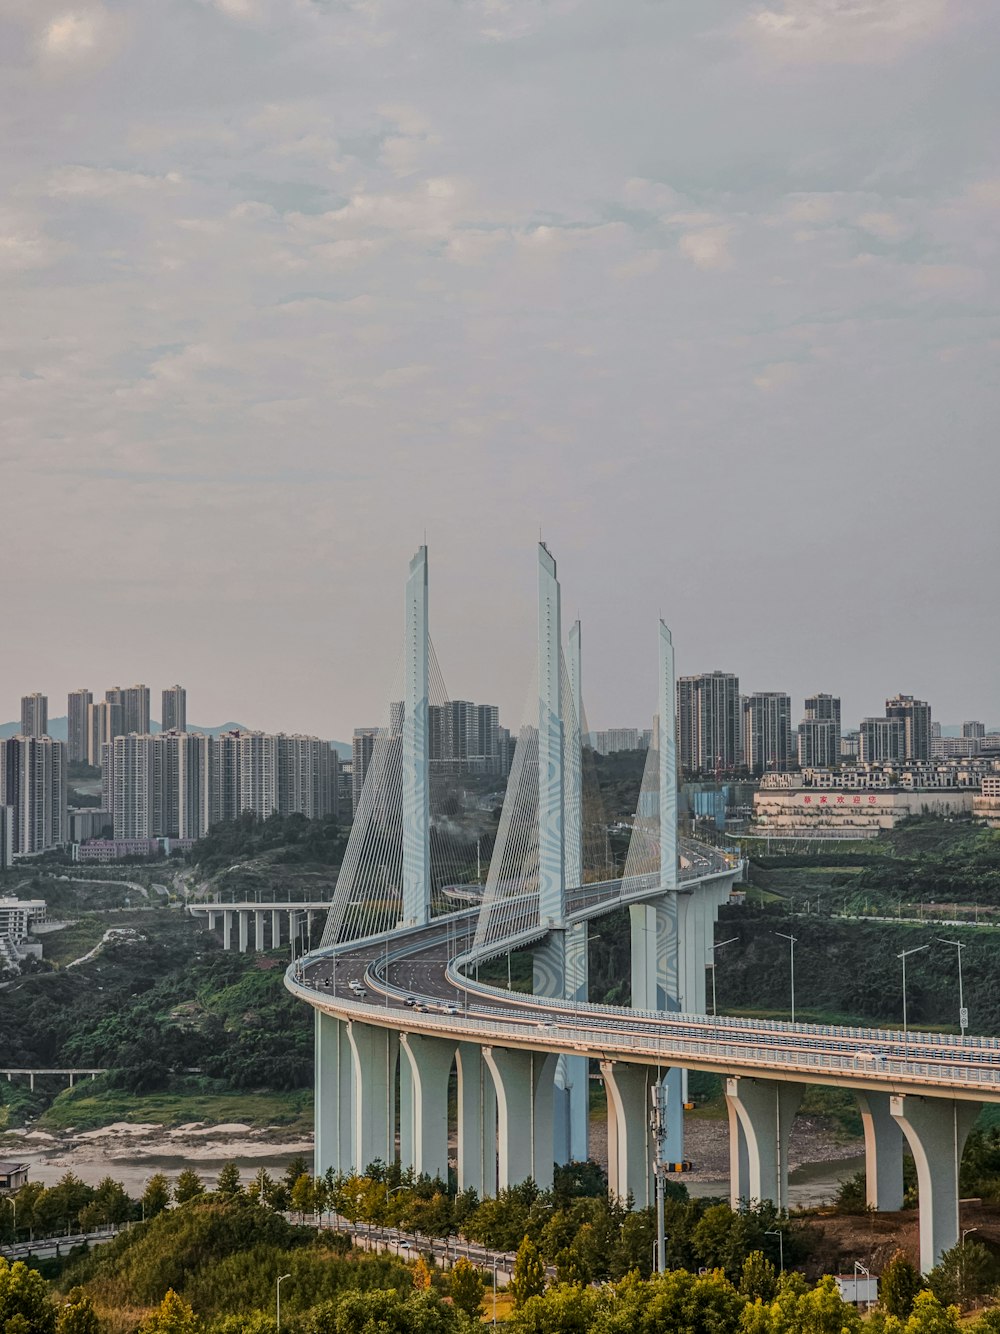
[[704, 290]]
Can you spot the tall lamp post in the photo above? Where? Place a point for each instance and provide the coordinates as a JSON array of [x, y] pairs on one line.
[[904, 956], [776, 1232], [963, 1013], [713, 948], [277, 1301], [791, 959]]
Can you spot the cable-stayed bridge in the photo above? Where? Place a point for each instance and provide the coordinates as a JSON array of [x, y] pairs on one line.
[[400, 1007]]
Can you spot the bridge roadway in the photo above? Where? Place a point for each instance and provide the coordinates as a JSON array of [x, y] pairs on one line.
[[421, 983]]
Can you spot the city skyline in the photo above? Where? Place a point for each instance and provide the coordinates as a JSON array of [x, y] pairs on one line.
[[615, 722]]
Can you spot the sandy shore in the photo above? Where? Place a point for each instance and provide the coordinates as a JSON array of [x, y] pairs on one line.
[[131, 1153]]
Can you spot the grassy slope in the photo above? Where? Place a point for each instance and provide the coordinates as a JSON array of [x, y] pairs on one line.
[[89, 1106]]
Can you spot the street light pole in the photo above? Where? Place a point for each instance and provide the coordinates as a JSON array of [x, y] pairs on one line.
[[713, 949], [791, 957], [916, 950], [776, 1232], [963, 1014], [277, 1301]]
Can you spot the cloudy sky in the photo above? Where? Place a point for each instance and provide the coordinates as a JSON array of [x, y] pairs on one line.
[[706, 291]]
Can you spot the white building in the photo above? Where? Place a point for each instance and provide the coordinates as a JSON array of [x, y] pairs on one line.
[[33, 783]]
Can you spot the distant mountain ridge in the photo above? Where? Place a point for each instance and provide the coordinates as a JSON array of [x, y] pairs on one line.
[[58, 732]]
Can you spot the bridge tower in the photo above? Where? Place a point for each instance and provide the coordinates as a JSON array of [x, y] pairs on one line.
[[416, 896], [560, 964]]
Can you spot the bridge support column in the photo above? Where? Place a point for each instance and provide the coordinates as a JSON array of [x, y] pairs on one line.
[[477, 1122], [258, 923], [523, 1081], [244, 930], [936, 1130], [883, 1152], [275, 928], [761, 1112], [655, 987], [373, 1088], [425, 1064], [227, 930], [629, 1149], [332, 1112], [560, 970]]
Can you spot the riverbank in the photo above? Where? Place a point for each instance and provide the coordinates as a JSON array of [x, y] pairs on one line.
[[132, 1152]]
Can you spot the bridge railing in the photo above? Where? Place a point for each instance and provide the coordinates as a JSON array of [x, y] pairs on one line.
[[680, 1050]]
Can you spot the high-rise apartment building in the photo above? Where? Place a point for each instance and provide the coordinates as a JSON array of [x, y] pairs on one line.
[[819, 743], [882, 740], [464, 737], [77, 704], [134, 703], [180, 784], [33, 784], [362, 749], [104, 723], [975, 731], [819, 733], [915, 715], [767, 731], [709, 722], [173, 711], [614, 739], [34, 715], [823, 708]]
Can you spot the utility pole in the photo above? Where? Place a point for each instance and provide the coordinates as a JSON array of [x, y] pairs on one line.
[[658, 1126]]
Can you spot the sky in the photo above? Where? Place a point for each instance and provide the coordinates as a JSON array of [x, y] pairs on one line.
[[705, 292]]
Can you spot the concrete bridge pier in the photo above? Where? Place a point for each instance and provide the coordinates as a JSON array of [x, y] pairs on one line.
[[258, 923], [629, 1142], [883, 1152], [761, 1112], [424, 1072], [374, 1052], [244, 931], [561, 970], [524, 1085], [275, 928], [332, 1137], [227, 930], [656, 974], [477, 1122], [936, 1130]]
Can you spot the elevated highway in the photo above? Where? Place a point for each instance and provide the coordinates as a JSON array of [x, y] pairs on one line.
[[418, 988]]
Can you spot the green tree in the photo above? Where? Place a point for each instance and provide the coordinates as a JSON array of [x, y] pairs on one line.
[[111, 1204], [930, 1317], [568, 1267], [567, 1309], [988, 1322], [898, 1286], [303, 1196], [467, 1288], [77, 1315], [528, 1278], [25, 1307], [296, 1168], [757, 1278], [172, 1316], [188, 1186], [962, 1274], [156, 1196], [229, 1180]]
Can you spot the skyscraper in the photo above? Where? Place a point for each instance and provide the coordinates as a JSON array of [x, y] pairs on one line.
[[362, 747], [104, 723], [34, 715], [173, 713], [134, 703], [915, 714], [767, 731], [818, 743], [709, 722], [882, 740], [824, 708], [77, 704], [974, 730], [33, 783]]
